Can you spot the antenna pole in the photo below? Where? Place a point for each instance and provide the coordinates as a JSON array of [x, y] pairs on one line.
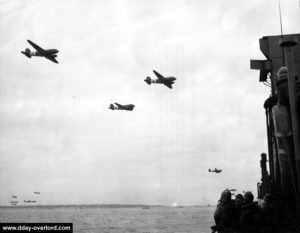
[[280, 17], [281, 31]]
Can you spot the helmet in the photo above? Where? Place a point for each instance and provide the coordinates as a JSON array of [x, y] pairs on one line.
[[282, 72], [248, 196], [239, 197], [226, 195]]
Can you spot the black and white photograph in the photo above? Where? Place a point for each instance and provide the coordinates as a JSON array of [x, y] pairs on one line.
[[161, 116]]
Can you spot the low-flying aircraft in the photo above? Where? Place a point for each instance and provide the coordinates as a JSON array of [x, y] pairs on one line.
[[36, 192], [29, 201], [13, 196], [232, 190], [167, 81], [128, 107], [50, 54], [215, 170]]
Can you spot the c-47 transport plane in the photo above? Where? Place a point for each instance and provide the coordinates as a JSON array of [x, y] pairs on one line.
[[128, 107], [167, 81], [50, 54], [215, 170]]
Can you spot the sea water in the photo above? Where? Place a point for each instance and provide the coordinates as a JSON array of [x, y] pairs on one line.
[[89, 219]]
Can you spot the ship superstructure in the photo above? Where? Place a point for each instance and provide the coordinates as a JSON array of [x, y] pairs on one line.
[[281, 166]]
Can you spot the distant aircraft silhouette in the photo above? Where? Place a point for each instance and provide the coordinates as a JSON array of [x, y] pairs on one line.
[[215, 170], [13, 196], [13, 202], [36, 192], [232, 190], [50, 54], [128, 107], [167, 81]]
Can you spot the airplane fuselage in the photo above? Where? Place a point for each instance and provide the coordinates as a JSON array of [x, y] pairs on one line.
[[44, 52], [128, 107], [170, 79], [215, 170], [155, 81]]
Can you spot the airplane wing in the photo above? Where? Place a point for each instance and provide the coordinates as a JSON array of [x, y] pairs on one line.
[[119, 105], [169, 85], [38, 48], [159, 76], [51, 58]]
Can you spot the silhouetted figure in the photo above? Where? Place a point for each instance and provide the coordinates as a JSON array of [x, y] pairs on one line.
[[225, 213], [238, 202], [267, 214], [282, 87], [249, 217]]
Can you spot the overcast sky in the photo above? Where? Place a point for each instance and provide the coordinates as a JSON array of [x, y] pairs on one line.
[[58, 137]]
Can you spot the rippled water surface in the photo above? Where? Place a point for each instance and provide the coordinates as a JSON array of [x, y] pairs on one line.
[[97, 219]]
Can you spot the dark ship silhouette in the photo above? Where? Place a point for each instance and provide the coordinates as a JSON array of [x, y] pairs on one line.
[[280, 168]]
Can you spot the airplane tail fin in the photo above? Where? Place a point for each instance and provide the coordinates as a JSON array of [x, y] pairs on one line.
[[112, 107], [148, 80], [27, 53]]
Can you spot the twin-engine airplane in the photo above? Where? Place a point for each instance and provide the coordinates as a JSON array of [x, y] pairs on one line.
[[128, 107], [215, 170], [50, 54], [167, 81]]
